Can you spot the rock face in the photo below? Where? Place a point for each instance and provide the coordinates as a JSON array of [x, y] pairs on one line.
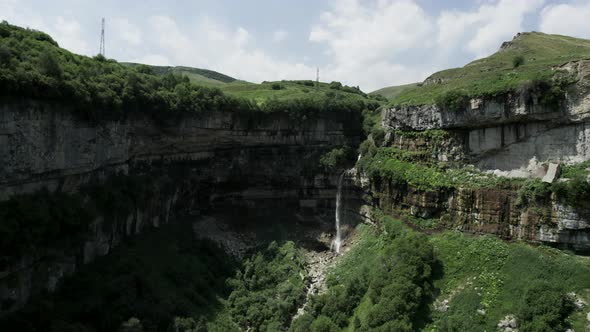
[[195, 163], [515, 134], [506, 132]]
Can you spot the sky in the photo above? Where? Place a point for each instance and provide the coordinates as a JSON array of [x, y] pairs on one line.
[[366, 43]]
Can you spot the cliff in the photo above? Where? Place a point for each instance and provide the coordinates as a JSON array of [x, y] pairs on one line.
[[183, 165], [515, 135]]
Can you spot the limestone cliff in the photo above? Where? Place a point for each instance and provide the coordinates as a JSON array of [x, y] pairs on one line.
[[506, 132], [514, 134], [190, 164]]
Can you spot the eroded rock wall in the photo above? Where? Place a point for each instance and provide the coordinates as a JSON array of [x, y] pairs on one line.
[[506, 132], [190, 165]]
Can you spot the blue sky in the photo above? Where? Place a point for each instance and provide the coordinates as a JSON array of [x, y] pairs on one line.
[[371, 43]]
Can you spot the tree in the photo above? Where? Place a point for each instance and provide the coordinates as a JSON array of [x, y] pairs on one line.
[[544, 308], [131, 325], [517, 61], [50, 65], [324, 324]]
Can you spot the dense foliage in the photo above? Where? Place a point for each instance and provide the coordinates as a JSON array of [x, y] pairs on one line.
[[40, 220], [34, 66], [486, 279], [35, 220], [140, 286], [385, 284], [400, 168], [266, 291], [337, 158]]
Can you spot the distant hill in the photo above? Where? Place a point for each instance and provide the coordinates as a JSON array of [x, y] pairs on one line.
[[529, 57], [290, 90], [196, 75], [391, 92]]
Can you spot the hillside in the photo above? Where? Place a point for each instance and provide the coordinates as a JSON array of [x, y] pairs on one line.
[[529, 57], [391, 92], [291, 90], [32, 65], [196, 75]]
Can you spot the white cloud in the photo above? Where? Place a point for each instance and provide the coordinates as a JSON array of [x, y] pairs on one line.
[[279, 35], [384, 42], [68, 33], [210, 44], [124, 30], [154, 60], [566, 19], [483, 30]]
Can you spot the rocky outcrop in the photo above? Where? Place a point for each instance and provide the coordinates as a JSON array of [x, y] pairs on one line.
[[506, 132], [516, 134], [191, 166], [484, 211]]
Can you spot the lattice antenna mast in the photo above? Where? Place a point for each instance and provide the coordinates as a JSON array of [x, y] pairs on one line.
[[317, 79], [101, 50]]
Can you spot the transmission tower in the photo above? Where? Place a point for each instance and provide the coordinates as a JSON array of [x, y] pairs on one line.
[[101, 50], [317, 79]]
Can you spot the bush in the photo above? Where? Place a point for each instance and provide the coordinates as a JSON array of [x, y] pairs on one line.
[[336, 158], [49, 64], [5, 55], [324, 324], [517, 61], [544, 308], [454, 100], [335, 85], [533, 193], [276, 86]]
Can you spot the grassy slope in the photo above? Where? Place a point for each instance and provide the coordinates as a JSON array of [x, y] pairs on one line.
[[196, 75], [289, 90], [481, 273], [496, 73], [391, 92]]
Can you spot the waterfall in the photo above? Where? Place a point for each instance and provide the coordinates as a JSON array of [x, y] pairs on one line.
[[338, 240]]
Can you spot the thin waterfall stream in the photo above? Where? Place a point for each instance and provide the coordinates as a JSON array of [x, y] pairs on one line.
[[338, 240]]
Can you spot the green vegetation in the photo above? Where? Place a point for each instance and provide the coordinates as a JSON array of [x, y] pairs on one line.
[[532, 193], [383, 284], [527, 61], [35, 220], [272, 96], [393, 273], [37, 68], [399, 167], [488, 274], [33, 66], [41, 219], [267, 290], [152, 277], [393, 91], [337, 158], [196, 75]]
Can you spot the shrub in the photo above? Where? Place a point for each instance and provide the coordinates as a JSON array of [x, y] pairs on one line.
[[575, 192], [324, 324], [276, 86], [533, 192], [335, 85], [50, 65], [336, 158], [454, 100], [544, 308], [378, 135], [5, 55], [517, 61]]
